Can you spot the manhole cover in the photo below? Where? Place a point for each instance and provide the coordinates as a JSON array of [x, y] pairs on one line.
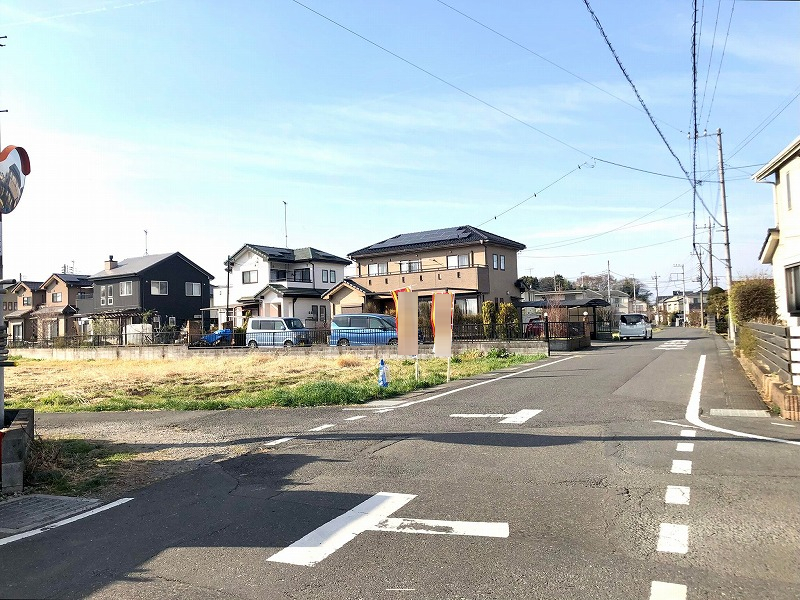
[[28, 512]]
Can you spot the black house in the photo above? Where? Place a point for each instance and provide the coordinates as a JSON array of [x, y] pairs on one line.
[[165, 289]]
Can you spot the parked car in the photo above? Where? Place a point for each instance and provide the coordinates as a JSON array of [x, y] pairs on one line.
[[635, 325], [276, 331], [363, 330], [219, 337]]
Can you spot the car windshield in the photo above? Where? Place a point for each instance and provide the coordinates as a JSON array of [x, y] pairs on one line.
[[294, 323], [631, 319]]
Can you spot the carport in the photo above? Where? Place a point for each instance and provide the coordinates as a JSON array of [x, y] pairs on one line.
[[575, 310]]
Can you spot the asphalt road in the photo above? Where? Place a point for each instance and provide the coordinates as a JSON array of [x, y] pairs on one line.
[[611, 491]]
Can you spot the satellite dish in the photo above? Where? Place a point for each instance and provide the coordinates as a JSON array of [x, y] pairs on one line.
[[14, 166]]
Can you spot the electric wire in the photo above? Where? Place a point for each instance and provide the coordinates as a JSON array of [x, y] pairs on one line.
[[710, 56], [763, 125], [547, 60], [686, 237], [480, 100], [721, 58]]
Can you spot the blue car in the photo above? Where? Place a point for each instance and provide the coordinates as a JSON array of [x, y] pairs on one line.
[[363, 330], [217, 338]]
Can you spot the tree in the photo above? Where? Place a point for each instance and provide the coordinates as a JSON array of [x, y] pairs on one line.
[[753, 299], [532, 283]]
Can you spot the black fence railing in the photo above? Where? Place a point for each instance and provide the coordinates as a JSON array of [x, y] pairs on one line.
[[541, 331]]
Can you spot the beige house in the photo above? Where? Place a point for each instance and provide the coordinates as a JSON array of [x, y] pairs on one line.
[[781, 247], [475, 265], [28, 295]]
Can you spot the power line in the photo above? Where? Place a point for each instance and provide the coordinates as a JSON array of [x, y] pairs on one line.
[[547, 60], [686, 237], [721, 58], [484, 102], [761, 126]]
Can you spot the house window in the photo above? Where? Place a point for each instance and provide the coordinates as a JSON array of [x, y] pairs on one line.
[[126, 288], [494, 261], [333, 276], [102, 295], [410, 266], [159, 288], [302, 275], [378, 269], [192, 289], [458, 261], [249, 276], [171, 321], [323, 312], [793, 290], [17, 332], [110, 295], [277, 275], [502, 262], [314, 312], [27, 301], [324, 275], [55, 297]]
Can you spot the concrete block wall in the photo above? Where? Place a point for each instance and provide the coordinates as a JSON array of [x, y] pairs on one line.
[[15, 445]]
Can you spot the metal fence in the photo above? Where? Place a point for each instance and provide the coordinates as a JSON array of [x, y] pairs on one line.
[[541, 331]]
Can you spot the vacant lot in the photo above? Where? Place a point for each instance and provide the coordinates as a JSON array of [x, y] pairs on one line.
[[244, 381]]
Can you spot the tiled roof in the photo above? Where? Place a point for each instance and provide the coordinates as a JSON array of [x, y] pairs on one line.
[[294, 255], [137, 264], [436, 238]]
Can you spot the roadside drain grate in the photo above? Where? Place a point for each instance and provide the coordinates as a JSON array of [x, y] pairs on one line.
[[29, 512], [737, 412]]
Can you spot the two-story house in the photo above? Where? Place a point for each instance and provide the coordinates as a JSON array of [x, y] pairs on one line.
[[54, 317], [278, 282], [475, 265], [781, 247], [167, 289], [21, 328]]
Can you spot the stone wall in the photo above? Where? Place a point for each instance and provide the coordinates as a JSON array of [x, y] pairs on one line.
[[16, 439]]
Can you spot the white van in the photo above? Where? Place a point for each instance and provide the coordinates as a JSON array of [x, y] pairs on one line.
[[276, 331], [635, 325]]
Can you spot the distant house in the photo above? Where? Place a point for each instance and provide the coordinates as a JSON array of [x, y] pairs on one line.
[[28, 296], [55, 316], [166, 289], [781, 247], [278, 282], [674, 303], [475, 265]]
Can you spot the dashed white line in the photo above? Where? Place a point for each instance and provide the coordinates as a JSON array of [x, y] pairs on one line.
[[383, 410], [280, 441], [782, 424], [677, 494], [660, 590], [685, 447], [682, 467], [688, 433], [673, 538], [356, 418], [321, 427]]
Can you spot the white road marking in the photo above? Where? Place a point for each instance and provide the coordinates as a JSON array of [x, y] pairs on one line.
[[383, 410], [521, 416], [466, 387], [518, 417], [660, 590], [89, 513], [782, 424], [673, 345], [670, 423], [443, 527], [373, 515], [738, 412], [356, 418], [685, 447], [693, 411], [682, 467], [677, 494], [688, 433], [673, 538], [280, 441], [321, 427]]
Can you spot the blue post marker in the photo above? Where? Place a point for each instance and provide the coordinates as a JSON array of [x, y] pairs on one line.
[[383, 374]]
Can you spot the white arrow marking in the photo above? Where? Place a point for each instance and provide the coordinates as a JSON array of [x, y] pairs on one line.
[[373, 515], [517, 417]]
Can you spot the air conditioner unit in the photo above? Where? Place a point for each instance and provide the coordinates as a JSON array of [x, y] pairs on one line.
[[171, 321]]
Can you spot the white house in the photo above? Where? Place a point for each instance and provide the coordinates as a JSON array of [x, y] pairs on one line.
[[278, 282], [781, 247]]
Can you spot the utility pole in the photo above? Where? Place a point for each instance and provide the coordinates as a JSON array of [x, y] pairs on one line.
[[729, 275], [700, 276], [710, 258], [228, 269], [685, 305], [658, 312]]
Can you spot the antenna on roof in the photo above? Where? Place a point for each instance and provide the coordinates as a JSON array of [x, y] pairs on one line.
[[145, 242], [285, 230]]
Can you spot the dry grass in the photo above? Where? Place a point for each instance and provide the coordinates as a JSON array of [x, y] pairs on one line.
[[250, 380]]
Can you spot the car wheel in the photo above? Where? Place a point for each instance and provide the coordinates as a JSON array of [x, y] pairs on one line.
[[343, 342], [288, 344], [392, 342], [252, 344]]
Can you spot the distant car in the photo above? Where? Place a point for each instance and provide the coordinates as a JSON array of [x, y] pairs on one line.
[[219, 337], [276, 331], [368, 329], [635, 325]]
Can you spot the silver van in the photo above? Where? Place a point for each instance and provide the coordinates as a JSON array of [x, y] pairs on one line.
[[635, 325], [276, 331]]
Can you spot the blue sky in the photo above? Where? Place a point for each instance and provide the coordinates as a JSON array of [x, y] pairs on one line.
[[197, 120]]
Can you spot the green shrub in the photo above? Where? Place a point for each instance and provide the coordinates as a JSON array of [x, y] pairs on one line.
[[754, 300]]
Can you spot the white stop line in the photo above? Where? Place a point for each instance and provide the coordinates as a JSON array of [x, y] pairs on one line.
[[517, 417], [373, 515]]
